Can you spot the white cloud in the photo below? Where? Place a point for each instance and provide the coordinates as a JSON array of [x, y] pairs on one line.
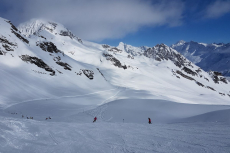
[[218, 9], [101, 19]]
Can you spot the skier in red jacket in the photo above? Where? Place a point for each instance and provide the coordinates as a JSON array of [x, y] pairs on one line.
[[95, 118], [150, 121]]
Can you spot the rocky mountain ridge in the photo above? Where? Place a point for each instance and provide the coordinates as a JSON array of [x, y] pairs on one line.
[[60, 60], [210, 57]]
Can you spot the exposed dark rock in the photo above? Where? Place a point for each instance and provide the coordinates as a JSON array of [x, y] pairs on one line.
[[228, 95], [217, 76], [200, 84], [70, 34], [183, 75], [114, 61], [7, 47], [20, 37], [130, 56], [223, 80], [79, 73], [189, 71], [1, 53], [211, 88], [79, 40], [39, 62], [7, 44], [101, 74], [163, 52], [105, 46], [206, 79], [198, 71], [115, 50], [217, 73], [222, 94], [66, 33], [42, 37], [59, 71], [12, 26], [65, 65], [4, 40], [58, 58], [53, 24], [88, 73], [49, 47]]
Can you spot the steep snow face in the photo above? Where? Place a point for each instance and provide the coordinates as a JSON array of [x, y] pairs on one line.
[[36, 68], [213, 56], [36, 26]]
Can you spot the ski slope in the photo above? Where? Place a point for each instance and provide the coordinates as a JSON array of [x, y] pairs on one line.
[[175, 127], [48, 72]]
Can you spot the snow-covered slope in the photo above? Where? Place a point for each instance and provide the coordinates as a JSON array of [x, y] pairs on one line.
[[213, 56], [34, 68], [52, 62], [53, 84]]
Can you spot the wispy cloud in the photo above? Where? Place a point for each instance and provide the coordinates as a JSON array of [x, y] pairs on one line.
[[102, 19], [218, 9]]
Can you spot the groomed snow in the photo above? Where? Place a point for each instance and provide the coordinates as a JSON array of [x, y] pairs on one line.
[[70, 128]]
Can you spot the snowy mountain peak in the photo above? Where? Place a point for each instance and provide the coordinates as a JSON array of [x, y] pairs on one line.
[[38, 26], [34, 26], [179, 43]]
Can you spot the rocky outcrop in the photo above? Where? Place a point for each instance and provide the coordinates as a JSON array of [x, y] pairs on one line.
[[217, 77], [114, 61], [189, 71], [163, 52], [12, 26], [105, 46], [88, 73], [130, 56], [214, 57], [9, 46], [183, 75], [101, 74], [70, 34], [115, 50], [20, 37], [66, 66], [48, 47], [38, 62]]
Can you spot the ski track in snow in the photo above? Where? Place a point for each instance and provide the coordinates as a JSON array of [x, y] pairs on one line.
[[32, 100]]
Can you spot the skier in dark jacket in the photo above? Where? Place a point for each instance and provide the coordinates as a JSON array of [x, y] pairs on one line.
[[95, 118], [150, 121]]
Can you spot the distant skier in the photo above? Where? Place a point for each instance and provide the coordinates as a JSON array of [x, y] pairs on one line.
[[150, 121], [95, 119]]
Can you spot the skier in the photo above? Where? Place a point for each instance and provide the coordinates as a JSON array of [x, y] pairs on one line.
[[95, 118], [150, 121]]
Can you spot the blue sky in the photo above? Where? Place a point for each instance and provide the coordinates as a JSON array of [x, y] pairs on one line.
[[135, 22]]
